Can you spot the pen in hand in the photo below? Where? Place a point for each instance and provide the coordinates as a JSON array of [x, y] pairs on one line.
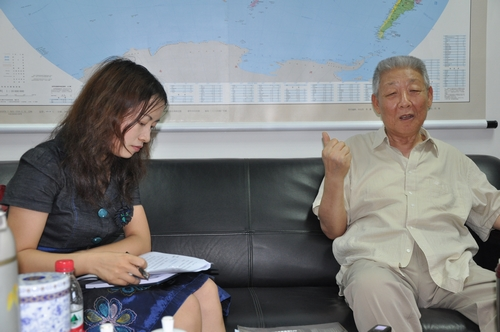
[[143, 272]]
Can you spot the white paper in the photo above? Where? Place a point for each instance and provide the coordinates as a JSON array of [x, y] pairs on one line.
[[161, 266], [159, 262]]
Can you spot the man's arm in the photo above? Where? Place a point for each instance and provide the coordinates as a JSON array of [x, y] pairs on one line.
[[332, 214], [496, 225]]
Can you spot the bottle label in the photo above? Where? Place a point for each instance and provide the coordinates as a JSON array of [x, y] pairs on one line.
[[77, 321]]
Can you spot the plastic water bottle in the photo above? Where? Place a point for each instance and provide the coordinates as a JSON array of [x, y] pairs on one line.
[[9, 302], [66, 266]]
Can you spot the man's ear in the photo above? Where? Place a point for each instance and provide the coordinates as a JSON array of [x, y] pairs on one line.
[[375, 104], [430, 97]]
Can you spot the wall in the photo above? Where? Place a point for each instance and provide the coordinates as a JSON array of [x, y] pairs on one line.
[[299, 144]]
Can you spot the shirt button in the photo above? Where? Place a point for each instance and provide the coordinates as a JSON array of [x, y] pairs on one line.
[[103, 213], [96, 240], [408, 250]]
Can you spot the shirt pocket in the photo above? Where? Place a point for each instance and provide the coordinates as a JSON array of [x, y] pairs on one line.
[[447, 197]]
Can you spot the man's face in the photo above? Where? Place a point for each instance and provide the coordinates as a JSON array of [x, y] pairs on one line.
[[402, 101]]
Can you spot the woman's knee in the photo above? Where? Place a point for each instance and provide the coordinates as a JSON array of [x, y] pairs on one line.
[[188, 316], [208, 291]]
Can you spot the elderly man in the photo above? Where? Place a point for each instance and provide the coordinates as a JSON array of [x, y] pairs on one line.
[[396, 202]]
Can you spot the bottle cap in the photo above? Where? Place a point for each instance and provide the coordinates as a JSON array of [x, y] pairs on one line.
[[106, 327], [167, 323], [65, 265]]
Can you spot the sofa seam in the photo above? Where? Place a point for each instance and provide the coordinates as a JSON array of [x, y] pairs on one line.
[[249, 223], [258, 308]]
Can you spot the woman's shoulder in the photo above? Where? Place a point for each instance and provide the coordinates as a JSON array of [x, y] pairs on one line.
[[46, 158], [45, 153], [39, 174]]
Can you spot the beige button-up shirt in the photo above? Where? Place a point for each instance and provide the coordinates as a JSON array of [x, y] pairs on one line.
[[393, 201]]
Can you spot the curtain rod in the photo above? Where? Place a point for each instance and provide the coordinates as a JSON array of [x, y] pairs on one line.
[[270, 126]]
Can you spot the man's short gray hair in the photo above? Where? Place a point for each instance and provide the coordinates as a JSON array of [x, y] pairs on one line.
[[400, 61]]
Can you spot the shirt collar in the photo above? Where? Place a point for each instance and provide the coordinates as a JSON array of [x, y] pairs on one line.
[[381, 138]]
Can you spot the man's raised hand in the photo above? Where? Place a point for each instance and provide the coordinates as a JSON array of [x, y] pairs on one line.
[[336, 156]]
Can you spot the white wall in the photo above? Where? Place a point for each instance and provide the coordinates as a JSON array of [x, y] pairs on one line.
[[292, 144]]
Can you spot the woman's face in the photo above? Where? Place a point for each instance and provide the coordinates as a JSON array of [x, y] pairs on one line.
[[139, 133]]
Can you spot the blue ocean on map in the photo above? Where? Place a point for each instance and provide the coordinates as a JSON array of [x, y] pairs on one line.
[[75, 35]]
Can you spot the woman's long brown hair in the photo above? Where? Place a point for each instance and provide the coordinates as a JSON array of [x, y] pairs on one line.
[[119, 89]]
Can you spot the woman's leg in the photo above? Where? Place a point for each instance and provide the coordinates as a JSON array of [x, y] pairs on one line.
[[211, 309], [188, 316]]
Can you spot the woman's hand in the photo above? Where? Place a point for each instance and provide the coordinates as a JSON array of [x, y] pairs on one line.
[[109, 262], [116, 268]]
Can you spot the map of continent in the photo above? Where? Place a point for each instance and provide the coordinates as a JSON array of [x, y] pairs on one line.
[[222, 52]]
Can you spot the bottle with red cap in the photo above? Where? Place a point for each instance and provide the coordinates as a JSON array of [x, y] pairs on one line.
[[66, 266]]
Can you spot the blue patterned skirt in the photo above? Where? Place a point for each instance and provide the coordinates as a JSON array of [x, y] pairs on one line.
[[140, 308]]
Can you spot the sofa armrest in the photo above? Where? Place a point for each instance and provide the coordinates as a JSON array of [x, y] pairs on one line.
[[489, 251]]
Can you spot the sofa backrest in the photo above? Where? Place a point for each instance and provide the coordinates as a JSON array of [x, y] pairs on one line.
[[7, 170], [251, 218]]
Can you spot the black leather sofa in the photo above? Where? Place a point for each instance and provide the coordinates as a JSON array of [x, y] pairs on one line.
[[252, 219]]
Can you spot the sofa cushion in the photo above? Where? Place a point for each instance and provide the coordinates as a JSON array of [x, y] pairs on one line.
[[286, 306]]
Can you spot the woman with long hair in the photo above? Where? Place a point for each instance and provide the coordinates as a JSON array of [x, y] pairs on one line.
[[76, 196]]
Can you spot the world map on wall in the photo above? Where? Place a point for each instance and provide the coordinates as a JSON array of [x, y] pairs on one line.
[[227, 52]]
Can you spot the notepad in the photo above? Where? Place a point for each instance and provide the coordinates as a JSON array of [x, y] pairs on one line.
[[161, 267]]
